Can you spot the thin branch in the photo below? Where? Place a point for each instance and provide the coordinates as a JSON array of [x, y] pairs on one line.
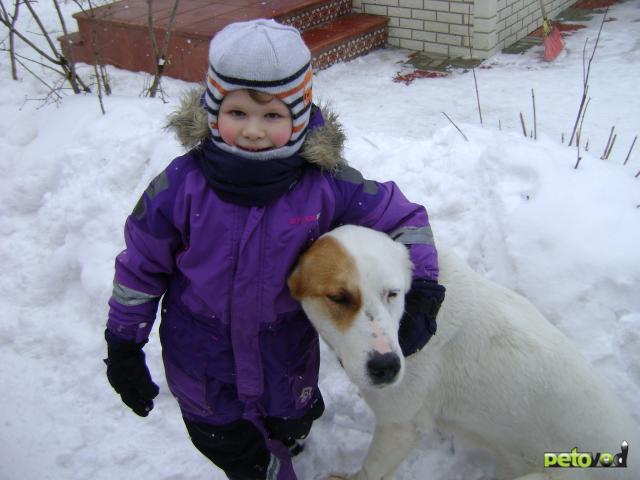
[[101, 74], [606, 147], [52, 90], [71, 62], [167, 32], [613, 142], [535, 119], [12, 40], [595, 47], [630, 149], [584, 114], [473, 70], [36, 17], [524, 129], [57, 58], [99, 82], [580, 110], [475, 82], [585, 74], [160, 56], [584, 59], [154, 42], [43, 65], [454, 124], [30, 43]]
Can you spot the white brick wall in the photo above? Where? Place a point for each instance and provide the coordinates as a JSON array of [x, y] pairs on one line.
[[517, 18], [447, 26]]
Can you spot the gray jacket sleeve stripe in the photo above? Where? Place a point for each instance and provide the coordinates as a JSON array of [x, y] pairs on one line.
[[130, 297], [351, 175], [273, 468], [413, 235], [157, 185]]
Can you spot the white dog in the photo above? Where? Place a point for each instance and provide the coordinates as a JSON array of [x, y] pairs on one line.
[[497, 372]]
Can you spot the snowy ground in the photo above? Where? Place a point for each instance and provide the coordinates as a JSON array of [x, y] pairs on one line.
[[514, 207]]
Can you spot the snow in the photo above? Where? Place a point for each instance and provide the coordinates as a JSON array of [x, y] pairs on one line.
[[514, 207]]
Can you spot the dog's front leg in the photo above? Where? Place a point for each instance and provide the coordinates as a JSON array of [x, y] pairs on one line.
[[390, 446]]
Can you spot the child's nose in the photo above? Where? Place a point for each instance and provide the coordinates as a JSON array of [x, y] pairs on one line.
[[253, 130]]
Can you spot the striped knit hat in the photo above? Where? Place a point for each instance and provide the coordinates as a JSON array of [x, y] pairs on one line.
[[266, 56]]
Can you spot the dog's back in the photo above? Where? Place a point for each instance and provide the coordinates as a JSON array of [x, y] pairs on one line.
[[515, 381]]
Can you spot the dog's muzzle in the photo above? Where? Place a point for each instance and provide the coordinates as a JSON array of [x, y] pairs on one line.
[[383, 368]]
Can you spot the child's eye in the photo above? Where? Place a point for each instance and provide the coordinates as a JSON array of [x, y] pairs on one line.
[[236, 113], [273, 116]]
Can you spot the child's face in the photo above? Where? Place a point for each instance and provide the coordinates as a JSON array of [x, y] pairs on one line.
[[253, 126]]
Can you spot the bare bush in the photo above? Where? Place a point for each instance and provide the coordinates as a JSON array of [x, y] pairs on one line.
[[159, 53]]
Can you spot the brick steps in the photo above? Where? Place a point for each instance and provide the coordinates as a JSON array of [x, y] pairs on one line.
[[119, 32]]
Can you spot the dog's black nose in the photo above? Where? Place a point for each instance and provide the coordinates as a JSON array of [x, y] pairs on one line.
[[383, 367]]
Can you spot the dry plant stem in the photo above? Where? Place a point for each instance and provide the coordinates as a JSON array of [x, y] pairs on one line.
[[57, 59], [606, 147], [606, 157], [630, 149], [160, 55], [99, 82], [42, 29], [100, 71], [535, 119], [475, 81], [473, 70], [12, 45], [72, 63], [104, 75], [26, 40], [584, 113], [585, 75], [524, 128], [457, 128], [53, 91], [580, 112], [577, 150], [43, 65]]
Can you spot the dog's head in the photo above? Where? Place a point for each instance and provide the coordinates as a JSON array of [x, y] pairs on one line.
[[352, 283]]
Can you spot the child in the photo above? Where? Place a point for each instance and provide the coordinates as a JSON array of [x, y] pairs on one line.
[[218, 232]]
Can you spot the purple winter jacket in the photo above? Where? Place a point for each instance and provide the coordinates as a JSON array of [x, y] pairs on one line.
[[234, 342]]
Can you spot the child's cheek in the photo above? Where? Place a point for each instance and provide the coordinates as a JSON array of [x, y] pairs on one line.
[[227, 132], [281, 136]]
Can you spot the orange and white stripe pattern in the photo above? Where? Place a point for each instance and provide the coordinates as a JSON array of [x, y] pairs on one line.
[[295, 91]]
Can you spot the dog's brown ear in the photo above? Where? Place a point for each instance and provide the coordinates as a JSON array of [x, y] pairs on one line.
[[295, 282]]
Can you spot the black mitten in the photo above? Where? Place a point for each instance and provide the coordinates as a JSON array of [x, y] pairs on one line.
[[418, 324], [128, 374]]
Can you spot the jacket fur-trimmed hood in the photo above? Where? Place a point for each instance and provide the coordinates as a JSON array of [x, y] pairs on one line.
[[322, 147]]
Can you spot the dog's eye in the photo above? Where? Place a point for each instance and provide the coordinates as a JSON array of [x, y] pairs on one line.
[[341, 298], [392, 294]]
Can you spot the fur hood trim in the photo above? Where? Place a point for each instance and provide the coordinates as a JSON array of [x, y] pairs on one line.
[[322, 147]]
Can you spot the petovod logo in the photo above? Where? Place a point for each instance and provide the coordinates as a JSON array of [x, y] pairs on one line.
[[576, 459]]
